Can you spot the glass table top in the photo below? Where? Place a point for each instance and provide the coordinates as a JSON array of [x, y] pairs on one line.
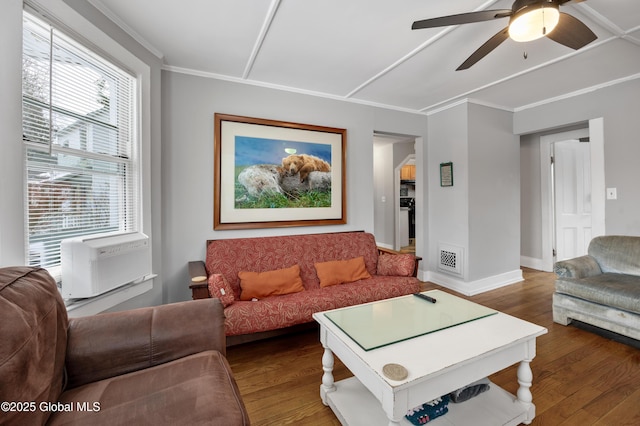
[[382, 323]]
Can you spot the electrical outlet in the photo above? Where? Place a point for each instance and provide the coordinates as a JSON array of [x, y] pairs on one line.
[[612, 194]]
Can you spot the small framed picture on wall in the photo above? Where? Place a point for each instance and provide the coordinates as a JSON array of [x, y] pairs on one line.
[[446, 174]]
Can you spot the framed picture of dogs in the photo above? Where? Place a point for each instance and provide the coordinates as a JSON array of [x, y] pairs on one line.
[[271, 173]]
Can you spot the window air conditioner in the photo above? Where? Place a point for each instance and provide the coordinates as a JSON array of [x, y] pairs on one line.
[[96, 264]]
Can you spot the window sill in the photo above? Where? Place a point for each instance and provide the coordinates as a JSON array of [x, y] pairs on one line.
[[95, 305]]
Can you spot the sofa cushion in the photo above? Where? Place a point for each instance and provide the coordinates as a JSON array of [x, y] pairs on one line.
[[219, 287], [399, 265], [341, 271], [244, 317], [232, 255], [33, 320], [259, 285], [617, 253], [616, 290], [198, 389]]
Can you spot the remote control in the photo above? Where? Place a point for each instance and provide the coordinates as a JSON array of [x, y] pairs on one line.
[[425, 297]]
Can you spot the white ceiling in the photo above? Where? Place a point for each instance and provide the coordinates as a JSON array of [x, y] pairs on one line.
[[365, 51]]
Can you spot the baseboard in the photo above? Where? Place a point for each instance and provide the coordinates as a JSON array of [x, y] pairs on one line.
[[471, 288], [533, 263], [387, 246]]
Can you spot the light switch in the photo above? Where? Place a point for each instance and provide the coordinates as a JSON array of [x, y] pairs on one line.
[[383, 199], [612, 194]]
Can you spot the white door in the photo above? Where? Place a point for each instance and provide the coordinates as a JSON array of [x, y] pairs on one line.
[[572, 184], [595, 133]]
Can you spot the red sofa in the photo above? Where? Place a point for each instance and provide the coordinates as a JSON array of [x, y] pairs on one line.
[[391, 275]]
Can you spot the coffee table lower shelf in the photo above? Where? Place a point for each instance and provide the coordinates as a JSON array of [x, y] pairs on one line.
[[353, 404]]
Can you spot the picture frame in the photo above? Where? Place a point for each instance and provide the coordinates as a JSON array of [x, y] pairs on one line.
[[270, 173], [446, 174]]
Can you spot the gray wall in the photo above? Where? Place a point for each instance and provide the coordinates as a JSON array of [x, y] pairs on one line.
[[189, 103], [494, 193], [531, 192], [384, 212], [386, 157], [181, 158], [401, 151], [480, 213], [11, 186], [448, 216], [619, 106], [530, 197]]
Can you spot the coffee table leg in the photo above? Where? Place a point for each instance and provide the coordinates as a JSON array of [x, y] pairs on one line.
[[327, 377], [525, 379]]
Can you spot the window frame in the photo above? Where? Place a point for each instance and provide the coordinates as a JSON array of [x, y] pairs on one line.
[[123, 158], [72, 169], [78, 26]]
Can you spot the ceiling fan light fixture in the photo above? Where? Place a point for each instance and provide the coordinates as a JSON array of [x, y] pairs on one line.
[[534, 21]]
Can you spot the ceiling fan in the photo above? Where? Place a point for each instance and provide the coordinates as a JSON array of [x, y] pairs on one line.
[[528, 20]]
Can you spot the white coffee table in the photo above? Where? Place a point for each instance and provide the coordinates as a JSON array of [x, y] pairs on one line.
[[438, 362]]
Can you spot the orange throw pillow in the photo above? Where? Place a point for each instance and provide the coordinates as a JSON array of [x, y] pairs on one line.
[[341, 271], [263, 284]]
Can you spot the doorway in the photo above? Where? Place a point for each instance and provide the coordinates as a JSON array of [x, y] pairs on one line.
[[390, 153], [405, 193], [572, 192]]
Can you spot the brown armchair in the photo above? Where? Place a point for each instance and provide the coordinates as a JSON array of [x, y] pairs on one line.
[[144, 366]]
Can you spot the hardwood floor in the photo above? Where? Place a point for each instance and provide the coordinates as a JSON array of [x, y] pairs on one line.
[[580, 378]]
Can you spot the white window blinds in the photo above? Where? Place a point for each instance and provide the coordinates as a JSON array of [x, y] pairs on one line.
[[78, 120]]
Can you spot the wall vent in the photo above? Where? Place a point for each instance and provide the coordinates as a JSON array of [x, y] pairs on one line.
[[450, 259]]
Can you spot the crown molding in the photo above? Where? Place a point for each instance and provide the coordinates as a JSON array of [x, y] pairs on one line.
[[578, 92], [249, 82], [438, 106], [126, 28], [469, 101]]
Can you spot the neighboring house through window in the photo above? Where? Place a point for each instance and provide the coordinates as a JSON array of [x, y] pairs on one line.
[[82, 163]]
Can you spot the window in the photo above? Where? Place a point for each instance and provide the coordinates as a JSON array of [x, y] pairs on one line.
[[81, 161]]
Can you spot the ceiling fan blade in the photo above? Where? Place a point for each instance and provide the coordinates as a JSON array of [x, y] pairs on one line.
[[462, 18], [561, 2], [571, 32], [485, 49]]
